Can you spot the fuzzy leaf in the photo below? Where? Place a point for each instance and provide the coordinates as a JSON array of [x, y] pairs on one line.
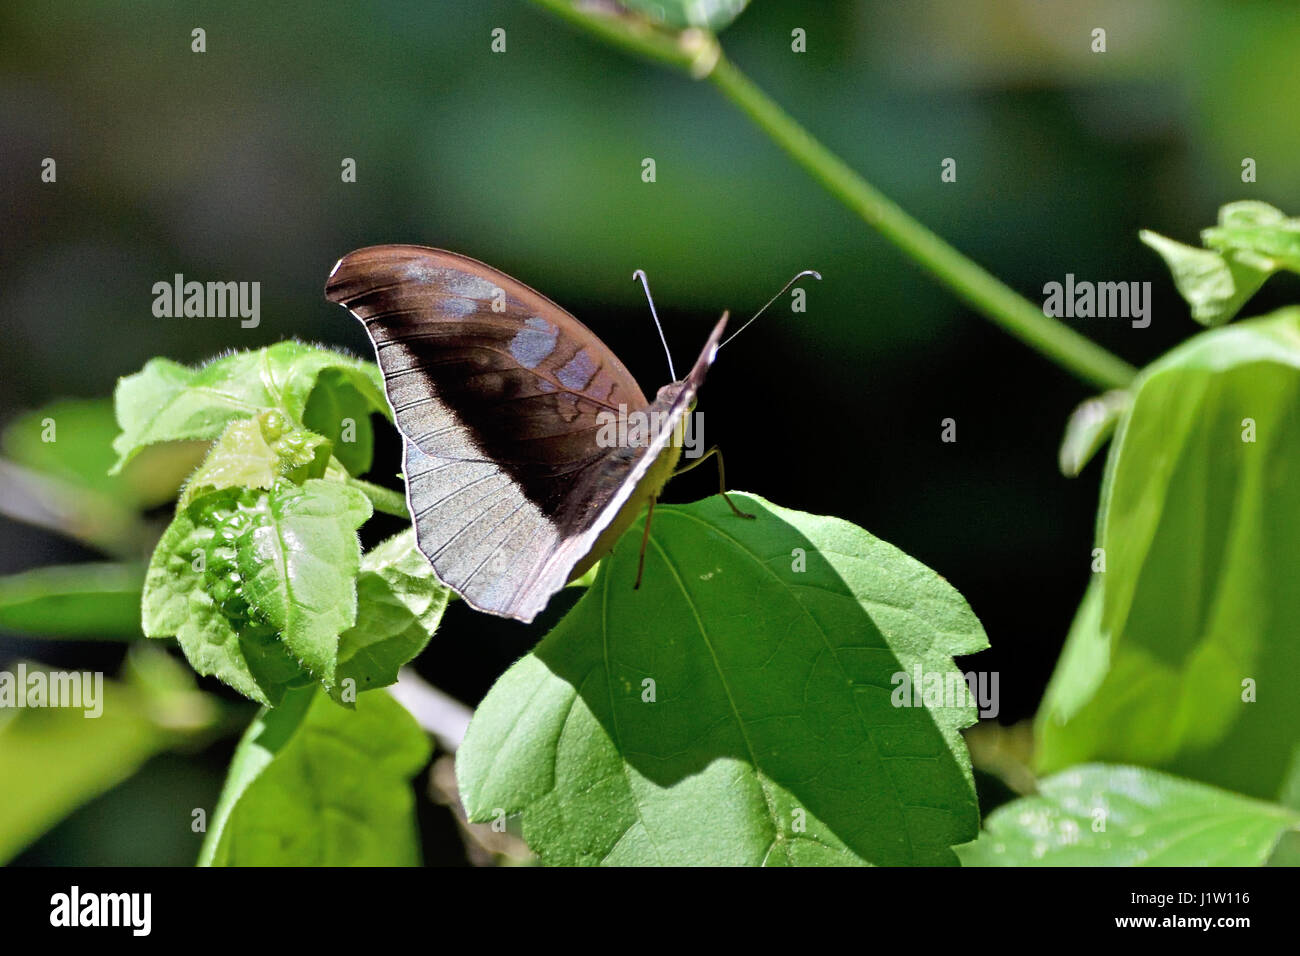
[[169, 402]]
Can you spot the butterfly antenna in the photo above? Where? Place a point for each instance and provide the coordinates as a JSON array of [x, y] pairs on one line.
[[784, 289], [640, 274]]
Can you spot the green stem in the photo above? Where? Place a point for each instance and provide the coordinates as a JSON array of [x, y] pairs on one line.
[[384, 499], [698, 53], [971, 282]]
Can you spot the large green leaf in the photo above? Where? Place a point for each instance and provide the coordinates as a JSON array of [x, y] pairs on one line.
[[192, 591], [772, 737], [1201, 534], [1083, 663], [95, 600], [168, 402], [314, 784], [1098, 815]]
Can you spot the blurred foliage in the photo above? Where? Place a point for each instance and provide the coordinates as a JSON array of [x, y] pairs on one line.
[[54, 759], [1251, 242], [87, 600]]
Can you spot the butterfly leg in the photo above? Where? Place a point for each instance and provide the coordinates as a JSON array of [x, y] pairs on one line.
[[722, 478], [645, 537]]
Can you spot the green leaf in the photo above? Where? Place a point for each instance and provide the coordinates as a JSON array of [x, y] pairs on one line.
[[1090, 425], [1214, 285], [54, 759], [298, 556], [774, 647], [1252, 241], [168, 402], [1083, 662], [313, 784], [193, 591], [678, 14], [341, 413], [1257, 229], [1149, 819], [1201, 536], [258, 585], [399, 605], [255, 453], [72, 440], [56, 476], [75, 600]]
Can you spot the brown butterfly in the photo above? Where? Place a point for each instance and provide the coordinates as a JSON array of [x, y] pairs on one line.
[[500, 396]]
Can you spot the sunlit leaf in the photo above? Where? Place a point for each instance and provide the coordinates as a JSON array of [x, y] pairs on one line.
[[1252, 241], [192, 591], [257, 452], [738, 708]]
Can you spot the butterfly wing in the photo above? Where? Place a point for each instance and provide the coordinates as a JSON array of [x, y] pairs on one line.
[[496, 391], [625, 480]]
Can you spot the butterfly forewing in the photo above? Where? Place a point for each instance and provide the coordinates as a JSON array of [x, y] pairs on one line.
[[522, 379]]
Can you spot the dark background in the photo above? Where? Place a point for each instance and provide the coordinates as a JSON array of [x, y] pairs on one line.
[[226, 166]]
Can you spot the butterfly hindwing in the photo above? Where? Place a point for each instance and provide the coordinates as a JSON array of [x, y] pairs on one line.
[[480, 534]]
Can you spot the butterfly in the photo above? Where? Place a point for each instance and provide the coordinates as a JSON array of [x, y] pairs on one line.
[[501, 397]]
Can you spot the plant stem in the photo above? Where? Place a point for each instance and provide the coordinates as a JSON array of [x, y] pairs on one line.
[[698, 53], [970, 281], [384, 499]]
